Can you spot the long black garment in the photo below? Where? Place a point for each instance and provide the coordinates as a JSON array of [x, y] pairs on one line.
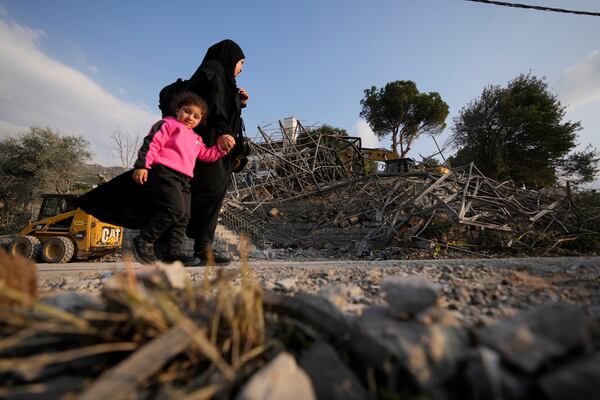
[[217, 86], [121, 201]]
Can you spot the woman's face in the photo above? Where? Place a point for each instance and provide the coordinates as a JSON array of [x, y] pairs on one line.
[[239, 67]]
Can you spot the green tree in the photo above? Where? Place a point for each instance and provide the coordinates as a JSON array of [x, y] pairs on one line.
[[37, 161], [581, 166], [517, 132], [400, 110]]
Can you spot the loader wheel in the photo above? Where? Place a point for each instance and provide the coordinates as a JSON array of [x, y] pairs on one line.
[[26, 246], [58, 250]]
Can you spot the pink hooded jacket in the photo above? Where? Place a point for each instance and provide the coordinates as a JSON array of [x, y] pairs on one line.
[[172, 144]]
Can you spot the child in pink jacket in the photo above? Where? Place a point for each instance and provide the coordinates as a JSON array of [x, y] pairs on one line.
[[165, 164]]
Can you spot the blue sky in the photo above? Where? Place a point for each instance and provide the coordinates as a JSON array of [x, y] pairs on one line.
[[90, 68]]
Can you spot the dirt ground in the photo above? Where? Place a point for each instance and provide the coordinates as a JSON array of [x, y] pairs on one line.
[[479, 291]]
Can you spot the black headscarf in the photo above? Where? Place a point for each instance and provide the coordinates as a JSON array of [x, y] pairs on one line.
[[227, 53], [214, 81]]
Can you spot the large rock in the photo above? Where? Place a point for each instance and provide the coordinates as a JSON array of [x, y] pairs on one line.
[[487, 378], [429, 353], [579, 380], [281, 379], [74, 302], [409, 295], [331, 378], [533, 338]]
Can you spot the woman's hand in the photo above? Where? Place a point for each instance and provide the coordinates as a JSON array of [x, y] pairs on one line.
[[140, 175], [244, 96], [226, 142]]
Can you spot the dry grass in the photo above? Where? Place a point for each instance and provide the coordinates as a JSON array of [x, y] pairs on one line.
[[194, 341]]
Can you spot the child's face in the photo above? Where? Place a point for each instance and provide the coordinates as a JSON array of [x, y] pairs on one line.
[[189, 115]]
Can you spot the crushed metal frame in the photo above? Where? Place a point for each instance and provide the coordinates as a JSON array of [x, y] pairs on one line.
[[305, 189]]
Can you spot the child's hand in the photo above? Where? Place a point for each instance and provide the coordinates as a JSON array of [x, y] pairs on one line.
[[140, 175]]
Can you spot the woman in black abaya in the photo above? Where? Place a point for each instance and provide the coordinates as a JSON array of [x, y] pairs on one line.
[[215, 81]]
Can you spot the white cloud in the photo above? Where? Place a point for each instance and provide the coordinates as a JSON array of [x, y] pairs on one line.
[[38, 90], [580, 84], [81, 59], [364, 131]]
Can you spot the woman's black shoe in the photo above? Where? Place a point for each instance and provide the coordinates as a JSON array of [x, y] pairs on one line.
[[188, 261], [218, 257]]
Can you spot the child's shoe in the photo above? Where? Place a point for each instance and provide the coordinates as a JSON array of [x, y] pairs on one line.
[[143, 250]]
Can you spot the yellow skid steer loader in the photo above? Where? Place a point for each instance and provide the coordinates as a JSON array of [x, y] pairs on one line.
[[63, 232]]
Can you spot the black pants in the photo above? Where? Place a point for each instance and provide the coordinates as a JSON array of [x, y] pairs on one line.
[[171, 193]]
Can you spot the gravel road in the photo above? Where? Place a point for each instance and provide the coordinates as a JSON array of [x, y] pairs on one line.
[[481, 291]]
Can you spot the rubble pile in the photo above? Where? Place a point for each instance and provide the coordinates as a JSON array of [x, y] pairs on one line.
[[154, 335], [312, 191]]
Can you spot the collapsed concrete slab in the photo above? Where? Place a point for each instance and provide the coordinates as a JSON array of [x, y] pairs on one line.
[[308, 190]]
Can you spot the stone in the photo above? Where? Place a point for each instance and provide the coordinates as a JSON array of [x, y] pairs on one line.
[[175, 274], [74, 302], [274, 213], [577, 380], [331, 378], [430, 353], [286, 284], [533, 338], [281, 379], [375, 313], [488, 378], [341, 294], [409, 295], [336, 294], [353, 220], [483, 374]]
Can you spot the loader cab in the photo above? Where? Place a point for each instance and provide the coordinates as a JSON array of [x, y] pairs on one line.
[[399, 165], [54, 204]]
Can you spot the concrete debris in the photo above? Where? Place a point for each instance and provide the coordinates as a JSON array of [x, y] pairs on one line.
[[533, 339], [302, 189], [286, 284], [429, 353], [341, 294], [579, 380], [330, 376], [409, 295], [281, 379], [74, 303]]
